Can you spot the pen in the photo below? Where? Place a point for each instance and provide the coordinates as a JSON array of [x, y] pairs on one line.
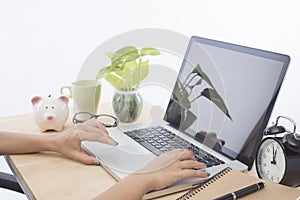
[[242, 192]]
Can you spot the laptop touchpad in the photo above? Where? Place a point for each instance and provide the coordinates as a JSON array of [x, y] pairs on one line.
[[124, 158]]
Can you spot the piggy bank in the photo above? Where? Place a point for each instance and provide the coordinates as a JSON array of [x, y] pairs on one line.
[[50, 113]]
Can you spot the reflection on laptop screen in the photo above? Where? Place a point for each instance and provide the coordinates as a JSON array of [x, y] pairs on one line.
[[227, 90]]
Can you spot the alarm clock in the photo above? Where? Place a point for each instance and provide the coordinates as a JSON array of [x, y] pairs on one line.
[[278, 158]]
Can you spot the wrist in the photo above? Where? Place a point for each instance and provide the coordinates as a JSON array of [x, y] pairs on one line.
[[51, 143], [143, 181]]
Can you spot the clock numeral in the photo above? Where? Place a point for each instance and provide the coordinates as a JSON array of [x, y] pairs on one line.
[[268, 172]]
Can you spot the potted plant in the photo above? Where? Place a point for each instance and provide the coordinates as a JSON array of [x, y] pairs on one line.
[[126, 71], [179, 113]]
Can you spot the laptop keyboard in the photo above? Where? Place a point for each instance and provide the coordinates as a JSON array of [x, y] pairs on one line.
[[159, 140]]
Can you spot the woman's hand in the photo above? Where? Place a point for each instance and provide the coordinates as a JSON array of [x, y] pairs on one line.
[[172, 167], [69, 143]]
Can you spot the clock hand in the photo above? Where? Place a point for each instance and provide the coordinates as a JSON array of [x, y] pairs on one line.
[[274, 156]]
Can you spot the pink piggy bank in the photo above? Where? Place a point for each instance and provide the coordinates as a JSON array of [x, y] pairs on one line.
[[50, 113]]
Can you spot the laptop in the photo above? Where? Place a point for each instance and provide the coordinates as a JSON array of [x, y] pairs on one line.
[[220, 105]]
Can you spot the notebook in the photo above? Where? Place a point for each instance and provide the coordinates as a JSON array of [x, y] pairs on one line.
[[230, 180], [219, 107]]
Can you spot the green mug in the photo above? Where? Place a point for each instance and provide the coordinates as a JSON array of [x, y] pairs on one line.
[[85, 94]]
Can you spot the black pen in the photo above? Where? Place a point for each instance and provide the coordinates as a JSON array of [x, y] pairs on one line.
[[242, 192]]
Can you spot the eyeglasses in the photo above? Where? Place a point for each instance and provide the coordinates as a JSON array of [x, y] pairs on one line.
[[107, 120]]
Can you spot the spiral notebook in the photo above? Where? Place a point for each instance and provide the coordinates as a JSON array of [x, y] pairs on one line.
[[230, 180]]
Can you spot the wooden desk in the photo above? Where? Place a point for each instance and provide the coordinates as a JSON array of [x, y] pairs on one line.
[[49, 176]]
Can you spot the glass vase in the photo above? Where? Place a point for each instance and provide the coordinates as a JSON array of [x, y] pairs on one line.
[[127, 105]]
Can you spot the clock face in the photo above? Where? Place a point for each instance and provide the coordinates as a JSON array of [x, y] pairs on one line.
[[270, 160]]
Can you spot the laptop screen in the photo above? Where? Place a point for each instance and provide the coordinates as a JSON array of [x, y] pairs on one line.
[[224, 95]]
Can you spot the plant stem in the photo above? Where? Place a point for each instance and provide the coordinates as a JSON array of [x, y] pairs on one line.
[[187, 78], [190, 82]]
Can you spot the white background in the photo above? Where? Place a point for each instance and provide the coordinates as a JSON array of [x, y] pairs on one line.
[[44, 43]]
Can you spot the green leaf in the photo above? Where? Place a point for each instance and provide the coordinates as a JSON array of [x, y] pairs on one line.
[[149, 51], [129, 77], [126, 70], [201, 73], [123, 55], [115, 80], [104, 71], [213, 96], [136, 73]]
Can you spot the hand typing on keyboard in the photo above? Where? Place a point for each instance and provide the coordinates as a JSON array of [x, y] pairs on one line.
[[174, 166]]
